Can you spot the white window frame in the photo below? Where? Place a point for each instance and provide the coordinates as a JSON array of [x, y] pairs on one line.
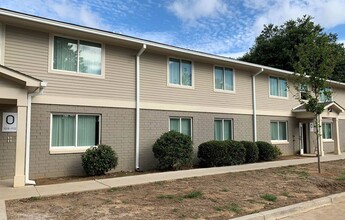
[[74, 73], [233, 80], [287, 132], [277, 96], [327, 139], [331, 98], [179, 85], [232, 126], [72, 149], [180, 118], [300, 92]]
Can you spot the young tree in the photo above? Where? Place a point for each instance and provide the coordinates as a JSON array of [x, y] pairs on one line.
[[276, 45], [317, 56]]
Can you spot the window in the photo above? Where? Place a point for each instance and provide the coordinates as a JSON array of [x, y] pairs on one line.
[[304, 91], [278, 87], [327, 130], [180, 72], [222, 129], [77, 56], [279, 131], [69, 130], [182, 125], [223, 79], [326, 95]]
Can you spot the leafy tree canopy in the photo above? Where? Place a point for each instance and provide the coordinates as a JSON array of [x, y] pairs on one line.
[[276, 46]]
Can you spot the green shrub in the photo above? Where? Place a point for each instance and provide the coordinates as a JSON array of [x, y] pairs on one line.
[[277, 152], [212, 154], [98, 160], [252, 151], [267, 151], [236, 153], [174, 151], [221, 153]]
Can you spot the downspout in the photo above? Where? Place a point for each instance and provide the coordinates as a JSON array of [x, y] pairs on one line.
[[137, 110], [28, 133], [254, 105]]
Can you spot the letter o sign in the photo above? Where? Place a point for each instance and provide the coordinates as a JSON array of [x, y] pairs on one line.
[[9, 122]]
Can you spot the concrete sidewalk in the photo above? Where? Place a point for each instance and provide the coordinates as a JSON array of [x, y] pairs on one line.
[[8, 193]]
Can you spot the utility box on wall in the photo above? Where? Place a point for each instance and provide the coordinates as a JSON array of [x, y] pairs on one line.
[[9, 122]]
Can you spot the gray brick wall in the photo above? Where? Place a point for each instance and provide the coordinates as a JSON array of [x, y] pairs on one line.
[[154, 123], [264, 133], [7, 150], [118, 131]]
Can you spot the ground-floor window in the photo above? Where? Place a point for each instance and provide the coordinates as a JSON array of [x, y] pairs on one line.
[[327, 130], [279, 130], [182, 125], [75, 130], [222, 129]]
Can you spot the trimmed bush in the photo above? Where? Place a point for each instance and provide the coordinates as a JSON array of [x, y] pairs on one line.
[[212, 154], [98, 160], [277, 152], [221, 153], [252, 151], [267, 152], [174, 151], [236, 152]]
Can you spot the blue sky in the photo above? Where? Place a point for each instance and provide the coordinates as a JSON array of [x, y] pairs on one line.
[[223, 27]]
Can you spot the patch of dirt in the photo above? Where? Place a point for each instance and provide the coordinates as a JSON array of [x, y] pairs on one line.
[[56, 180], [211, 197]]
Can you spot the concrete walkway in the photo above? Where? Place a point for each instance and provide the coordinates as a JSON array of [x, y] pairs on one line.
[[8, 193]]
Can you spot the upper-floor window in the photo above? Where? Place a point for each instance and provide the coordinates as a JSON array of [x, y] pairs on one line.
[[77, 56], [223, 79], [303, 91], [278, 87], [278, 130], [180, 72], [222, 129], [326, 95]]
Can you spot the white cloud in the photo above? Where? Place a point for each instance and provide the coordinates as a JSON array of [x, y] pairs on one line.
[[233, 55], [192, 10], [327, 13]]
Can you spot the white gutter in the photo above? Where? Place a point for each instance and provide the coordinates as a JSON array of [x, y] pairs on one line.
[[254, 105], [137, 112], [28, 133]]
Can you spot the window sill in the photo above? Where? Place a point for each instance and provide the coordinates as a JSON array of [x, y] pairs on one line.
[[68, 150], [71, 73], [179, 86], [279, 142], [224, 91], [327, 140], [279, 97]]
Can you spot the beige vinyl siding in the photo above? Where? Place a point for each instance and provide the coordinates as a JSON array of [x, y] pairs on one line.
[[339, 96], [154, 88], [265, 103], [28, 51]]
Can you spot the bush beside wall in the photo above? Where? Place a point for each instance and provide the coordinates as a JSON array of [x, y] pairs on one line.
[[174, 151], [267, 152], [252, 151], [221, 153], [98, 160]]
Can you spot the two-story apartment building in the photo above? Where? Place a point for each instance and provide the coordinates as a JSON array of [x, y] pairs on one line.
[[64, 88]]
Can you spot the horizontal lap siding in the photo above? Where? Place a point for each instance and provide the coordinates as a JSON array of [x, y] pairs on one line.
[[28, 51], [154, 86], [267, 103]]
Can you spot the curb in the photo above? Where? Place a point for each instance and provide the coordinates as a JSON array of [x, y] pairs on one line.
[[294, 209], [3, 215]]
